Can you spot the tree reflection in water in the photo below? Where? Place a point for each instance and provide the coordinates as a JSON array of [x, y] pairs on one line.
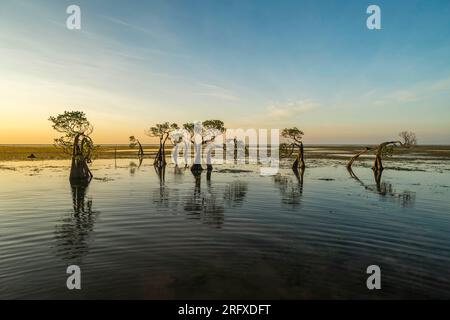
[[206, 205], [162, 198], [385, 189], [133, 166], [73, 234], [235, 193], [291, 190]]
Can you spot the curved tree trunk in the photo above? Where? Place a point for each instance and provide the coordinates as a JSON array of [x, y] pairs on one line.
[[299, 161], [378, 164], [141, 150], [355, 157]]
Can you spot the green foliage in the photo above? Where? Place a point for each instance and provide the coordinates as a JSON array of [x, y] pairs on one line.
[[293, 133], [74, 124], [162, 130], [387, 151], [133, 141], [189, 127], [217, 125], [71, 123], [210, 129]]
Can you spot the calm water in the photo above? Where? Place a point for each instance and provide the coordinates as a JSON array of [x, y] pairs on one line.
[[235, 235]]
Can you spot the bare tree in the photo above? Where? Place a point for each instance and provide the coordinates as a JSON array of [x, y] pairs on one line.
[[161, 131], [385, 149], [295, 135], [75, 141]]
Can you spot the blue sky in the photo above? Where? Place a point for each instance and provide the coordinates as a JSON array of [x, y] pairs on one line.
[[268, 64]]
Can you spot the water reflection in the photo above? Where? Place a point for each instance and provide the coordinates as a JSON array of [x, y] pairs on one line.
[[291, 190], [235, 193], [385, 189], [179, 173], [133, 166], [205, 206], [73, 234], [162, 196]]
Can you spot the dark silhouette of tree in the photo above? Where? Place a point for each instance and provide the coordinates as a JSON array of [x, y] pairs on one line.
[[75, 141], [386, 149], [135, 142], [205, 132], [161, 131], [294, 136]]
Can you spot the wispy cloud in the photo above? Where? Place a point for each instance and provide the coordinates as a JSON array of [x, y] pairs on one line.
[[290, 109], [215, 91], [420, 91], [131, 26]]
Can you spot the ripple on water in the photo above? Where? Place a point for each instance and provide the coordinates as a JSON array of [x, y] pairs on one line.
[[235, 235]]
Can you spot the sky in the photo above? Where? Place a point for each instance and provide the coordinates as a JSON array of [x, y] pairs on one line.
[[251, 63]]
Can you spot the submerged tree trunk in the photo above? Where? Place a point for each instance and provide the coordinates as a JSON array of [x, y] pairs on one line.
[[377, 175], [299, 176], [197, 166], [299, 161], [79, 170], [160, 159], [355, 157], [209, 150]]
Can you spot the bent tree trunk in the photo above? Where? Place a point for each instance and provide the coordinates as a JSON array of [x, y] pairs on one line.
[[141, 151], [299, 161], [355, 157], [378, 164]]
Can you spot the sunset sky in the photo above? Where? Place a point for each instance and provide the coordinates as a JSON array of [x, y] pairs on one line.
[[252, 64]]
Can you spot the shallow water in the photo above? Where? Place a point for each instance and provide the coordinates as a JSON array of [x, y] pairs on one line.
[[235, 235]]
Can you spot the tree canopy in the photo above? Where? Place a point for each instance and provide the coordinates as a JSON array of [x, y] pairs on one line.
[[293, 134], [210, 129], [72, 124], [162, 130]]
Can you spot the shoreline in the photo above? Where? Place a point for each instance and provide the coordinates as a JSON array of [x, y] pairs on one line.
[[50, 152]]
